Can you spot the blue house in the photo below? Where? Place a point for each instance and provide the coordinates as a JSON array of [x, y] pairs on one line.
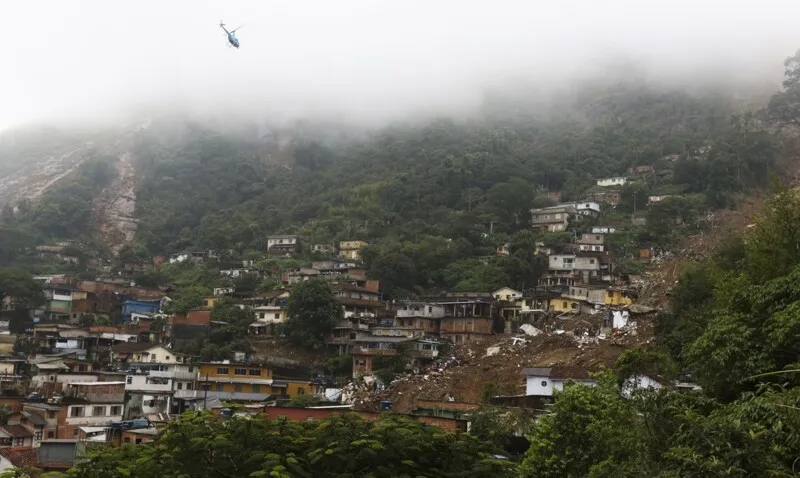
[[139, 307]]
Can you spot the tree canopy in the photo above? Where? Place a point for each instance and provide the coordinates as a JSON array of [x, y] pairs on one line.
[[201, 445]]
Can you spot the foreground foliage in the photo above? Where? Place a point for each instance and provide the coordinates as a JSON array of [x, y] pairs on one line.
[[201, 445]]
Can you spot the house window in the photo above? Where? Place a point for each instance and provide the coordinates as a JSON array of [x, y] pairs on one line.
[[180, 385], [597, 237], [261, 315], [82, 368], [256, 388], [220, 387], [127, 439], [129, 380], [591, 261], [18, 441], [116, 410], [255, 372], [50, 435], [240, 371], [563, 305], [222, 371], [277, 315], [76, 412], [301, 391], [51, 414], [74, 432], [205, 303], [166, 358], [98, 411], [237, 387], [38, 436]]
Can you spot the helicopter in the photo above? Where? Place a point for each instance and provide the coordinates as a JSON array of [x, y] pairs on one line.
[[231, 37]]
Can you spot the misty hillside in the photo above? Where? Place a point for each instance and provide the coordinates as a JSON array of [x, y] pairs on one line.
[[431, 197]]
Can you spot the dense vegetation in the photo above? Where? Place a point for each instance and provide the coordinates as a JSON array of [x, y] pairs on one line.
[[64, 212], [433, 199], [205, 446]]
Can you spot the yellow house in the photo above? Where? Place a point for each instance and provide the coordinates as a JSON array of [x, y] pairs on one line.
[[565, 304], [291, 388], [615, 298], [351, 249], [208, 302], [235, 378]]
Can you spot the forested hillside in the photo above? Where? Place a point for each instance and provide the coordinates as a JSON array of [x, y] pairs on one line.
[[431, 198]]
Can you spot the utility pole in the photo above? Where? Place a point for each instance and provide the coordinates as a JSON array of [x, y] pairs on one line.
[[634, 203]]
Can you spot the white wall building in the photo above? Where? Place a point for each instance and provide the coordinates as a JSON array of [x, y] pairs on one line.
[[616, 181], [543, 381]]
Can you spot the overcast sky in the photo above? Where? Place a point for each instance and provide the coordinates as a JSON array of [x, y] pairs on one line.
[[83, 58]]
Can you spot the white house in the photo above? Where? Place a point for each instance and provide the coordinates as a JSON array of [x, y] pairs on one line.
[[180, 257], [281, 243], [234, 273], [638, 381], [585, 208], [615, 181], [542, 381], [507, 294], [603, 230], [271, 314]]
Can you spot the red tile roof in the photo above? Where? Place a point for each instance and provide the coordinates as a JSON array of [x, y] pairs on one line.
[[17, 431], [21, 456]]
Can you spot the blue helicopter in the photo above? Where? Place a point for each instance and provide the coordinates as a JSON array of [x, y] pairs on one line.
[[231, 37]]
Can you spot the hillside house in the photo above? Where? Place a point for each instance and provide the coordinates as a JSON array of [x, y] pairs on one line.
[[237, 382], [236, 273], [639, 381], [585, 208], [640, 170], [612, 198], [323, 249], [565, 269], [299, 275], [615, 181], [281, 244], [351, 250], [412, 319], [154, 375], [657, 199], [591, 242], [552, 219], [543, 381], [367, 348], [507, 294], [90, 404], [503, 250], [603, 230]]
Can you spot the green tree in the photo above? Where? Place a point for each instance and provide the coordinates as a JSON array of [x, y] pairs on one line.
[[313, 311], [21, 288], [201, 445], [590, 432], [784, 106]]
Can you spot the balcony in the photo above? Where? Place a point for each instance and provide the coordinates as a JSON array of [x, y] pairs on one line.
[[238, 396], [174, 374], [346, 324], [374, 351]]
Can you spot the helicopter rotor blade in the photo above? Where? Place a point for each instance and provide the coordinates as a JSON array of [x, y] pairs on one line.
[[240, 26]]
